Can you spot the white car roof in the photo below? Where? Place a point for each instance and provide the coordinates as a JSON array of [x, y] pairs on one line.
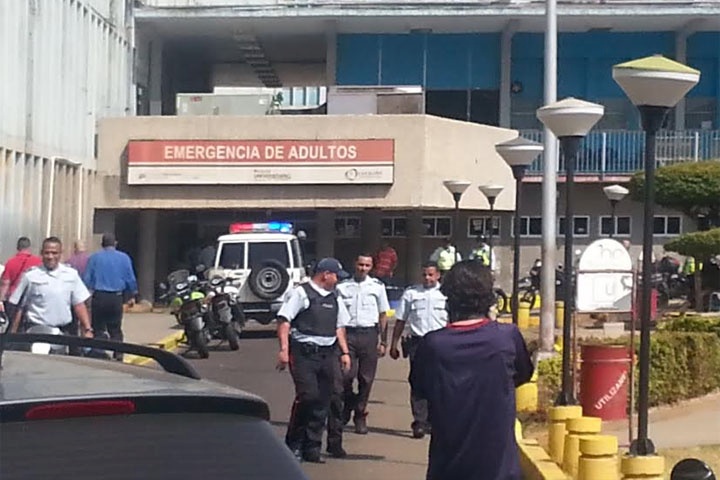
[[256, 237]]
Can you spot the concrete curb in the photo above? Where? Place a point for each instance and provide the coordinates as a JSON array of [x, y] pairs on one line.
[[170, 342], [536, 464]]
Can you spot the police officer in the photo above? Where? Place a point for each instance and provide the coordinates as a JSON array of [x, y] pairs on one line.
[[423, 308], [481, 252], [48, 293], [366, 300], [311, 327]]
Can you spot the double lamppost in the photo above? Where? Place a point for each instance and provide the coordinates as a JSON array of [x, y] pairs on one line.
[[518, 153], [570, 120], [654, 85], [456, 188]]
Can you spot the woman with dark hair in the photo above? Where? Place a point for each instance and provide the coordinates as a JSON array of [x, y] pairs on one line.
[[468, 373]]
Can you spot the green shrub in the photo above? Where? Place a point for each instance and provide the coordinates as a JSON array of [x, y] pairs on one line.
[[684, 362]]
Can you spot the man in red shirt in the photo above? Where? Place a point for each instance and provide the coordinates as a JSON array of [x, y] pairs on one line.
[[14, 269], [385, 262]]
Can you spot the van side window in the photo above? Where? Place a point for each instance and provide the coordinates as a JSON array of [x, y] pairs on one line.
[[232, 256]]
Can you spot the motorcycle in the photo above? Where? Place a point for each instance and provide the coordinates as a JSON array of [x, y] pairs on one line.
[[187, 303], [223, 320]]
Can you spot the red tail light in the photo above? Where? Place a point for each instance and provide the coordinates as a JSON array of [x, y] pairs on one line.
[[80, 409]]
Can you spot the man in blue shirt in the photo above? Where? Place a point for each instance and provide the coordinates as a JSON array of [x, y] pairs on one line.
[[110, 276]]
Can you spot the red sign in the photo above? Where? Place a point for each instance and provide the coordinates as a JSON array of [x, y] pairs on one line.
[[205, 152]]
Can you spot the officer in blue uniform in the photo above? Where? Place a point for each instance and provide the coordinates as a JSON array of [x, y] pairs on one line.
[[311, 331]]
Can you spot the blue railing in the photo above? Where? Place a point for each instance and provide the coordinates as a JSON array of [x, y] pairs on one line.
[[620, 152]]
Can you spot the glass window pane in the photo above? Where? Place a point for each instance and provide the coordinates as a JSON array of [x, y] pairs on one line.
[[561, 225], [386, 227], [428, 226], [443, 227], [535, 227], [476, 226], [399, 227], [580, 225], [352, 227], [340, 227], [232, 256], [673, 225], [605, 225], [259, 252], [659, 225], [524, 225], [623, 225], [496, 226]]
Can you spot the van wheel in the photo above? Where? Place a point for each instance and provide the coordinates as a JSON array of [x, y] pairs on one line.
[[268, 280]]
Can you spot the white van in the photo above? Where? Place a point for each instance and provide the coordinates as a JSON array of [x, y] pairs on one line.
[[264, 261]]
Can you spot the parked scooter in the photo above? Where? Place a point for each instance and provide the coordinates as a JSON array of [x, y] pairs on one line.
[[187, 304], [222, 323]]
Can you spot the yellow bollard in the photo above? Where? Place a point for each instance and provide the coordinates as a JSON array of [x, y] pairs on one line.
[[523, 315], [534, 321], [526, 396], [559, 314], [558, 417], [518, 430], [598, 458], [577, 428], [651, 467]]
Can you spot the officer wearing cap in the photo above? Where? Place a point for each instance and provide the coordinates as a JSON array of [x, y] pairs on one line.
[[366, 300], [311, 327], [46, 294], [423, 308]]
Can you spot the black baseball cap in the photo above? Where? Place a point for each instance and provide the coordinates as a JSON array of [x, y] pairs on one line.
[[332, 265]]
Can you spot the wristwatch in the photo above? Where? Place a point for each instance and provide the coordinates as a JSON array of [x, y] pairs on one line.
[[345, 353]]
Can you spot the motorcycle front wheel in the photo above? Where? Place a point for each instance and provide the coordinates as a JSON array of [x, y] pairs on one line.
[[198, 341]]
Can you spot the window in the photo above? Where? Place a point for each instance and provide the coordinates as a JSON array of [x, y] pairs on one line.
[[581, 226], [622, 226], [232, 256], [393, 227], [259, 252], [667, 225], [529, 226], [347, 227], [437, 227], [481, 226]]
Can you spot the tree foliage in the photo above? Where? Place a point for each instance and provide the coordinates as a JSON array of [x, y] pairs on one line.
[[701, 245], [692, 188]]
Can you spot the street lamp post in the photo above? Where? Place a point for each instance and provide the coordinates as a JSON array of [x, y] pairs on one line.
[[456, 188], [654, 85], [614, 193], [491, 192], [518, 153], [570, 120]]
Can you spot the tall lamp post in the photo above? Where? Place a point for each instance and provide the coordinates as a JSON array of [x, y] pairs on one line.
[[654, 85], [518, 153], [570, 120], [456, 188], [491, 192], [614, 193]]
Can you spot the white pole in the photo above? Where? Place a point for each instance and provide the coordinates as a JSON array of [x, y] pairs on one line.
[[549, 190]]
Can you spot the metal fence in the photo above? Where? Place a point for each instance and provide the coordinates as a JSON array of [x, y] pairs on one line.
[[622, 151]]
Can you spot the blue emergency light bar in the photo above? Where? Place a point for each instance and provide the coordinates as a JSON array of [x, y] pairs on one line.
[[271, 227]]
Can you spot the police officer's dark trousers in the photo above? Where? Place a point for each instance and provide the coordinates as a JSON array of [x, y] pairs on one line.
[[362, 345], [314, 370], [418, 405]]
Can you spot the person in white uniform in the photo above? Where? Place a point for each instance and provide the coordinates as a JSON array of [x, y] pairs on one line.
[[423, 308]]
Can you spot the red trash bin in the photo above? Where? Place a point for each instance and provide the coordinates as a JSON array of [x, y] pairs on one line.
[[604, 378]]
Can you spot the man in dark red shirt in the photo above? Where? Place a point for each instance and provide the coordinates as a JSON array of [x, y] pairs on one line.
[[385, 262], [14, 269]]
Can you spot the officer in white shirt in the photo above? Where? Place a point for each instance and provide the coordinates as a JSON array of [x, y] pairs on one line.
[[47, 294], [423, 308], [311, 331], [366, 300]]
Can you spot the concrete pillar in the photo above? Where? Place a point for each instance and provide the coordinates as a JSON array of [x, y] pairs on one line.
[[371, 229], [156, 62], [147, 249], [506, 73], [331, 54], [681, 38], [162, 260], [325, 233], [414, 257]]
